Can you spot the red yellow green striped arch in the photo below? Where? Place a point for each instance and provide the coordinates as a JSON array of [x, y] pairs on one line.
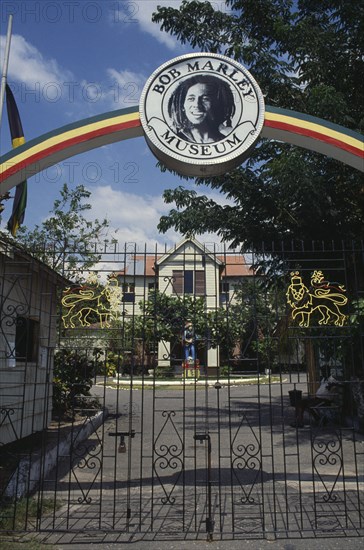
[[305, 131]]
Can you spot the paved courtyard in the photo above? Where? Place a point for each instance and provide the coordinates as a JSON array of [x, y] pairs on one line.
[[225, 455]]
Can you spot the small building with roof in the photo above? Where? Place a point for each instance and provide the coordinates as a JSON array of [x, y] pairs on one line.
[[188, 268], [29, 293]]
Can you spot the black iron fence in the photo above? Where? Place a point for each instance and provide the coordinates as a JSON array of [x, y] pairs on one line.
[[173, 394]]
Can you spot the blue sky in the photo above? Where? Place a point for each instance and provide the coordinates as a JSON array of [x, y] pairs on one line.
[[74, 59]]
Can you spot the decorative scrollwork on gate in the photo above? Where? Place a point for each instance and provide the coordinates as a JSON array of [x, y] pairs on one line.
[[327, 463], [168, 464], [86, 456], [246, 462], [14, 305], [6, 414]]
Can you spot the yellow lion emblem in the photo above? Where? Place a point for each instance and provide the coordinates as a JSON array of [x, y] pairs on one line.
[[324, 297], [85, 304]]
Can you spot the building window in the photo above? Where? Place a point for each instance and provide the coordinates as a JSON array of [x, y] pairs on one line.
[[189, 282], [224, 287], [200, 283], [224, 292], [128, 292], [26, 339]]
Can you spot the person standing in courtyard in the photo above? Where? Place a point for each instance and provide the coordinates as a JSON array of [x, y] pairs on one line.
[[189, 342]]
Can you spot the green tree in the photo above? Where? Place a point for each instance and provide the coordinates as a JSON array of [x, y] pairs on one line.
[[244, 329], [67, 240], [306, 56], [164, 317]]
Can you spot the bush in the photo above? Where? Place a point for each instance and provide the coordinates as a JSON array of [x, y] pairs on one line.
[[72, 380], [225, 371], [164, 372], [108, 366]]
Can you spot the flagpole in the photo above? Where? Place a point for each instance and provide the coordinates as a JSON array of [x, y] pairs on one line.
[[5, 66]]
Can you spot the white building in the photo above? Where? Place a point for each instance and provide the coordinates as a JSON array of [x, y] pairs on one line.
[[188, 268], [29, 292]]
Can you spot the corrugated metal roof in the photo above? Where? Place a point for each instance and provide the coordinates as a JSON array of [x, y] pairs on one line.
[[235, 266], [139, 265]]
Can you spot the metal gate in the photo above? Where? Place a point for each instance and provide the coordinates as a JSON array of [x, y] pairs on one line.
[[145, 440]]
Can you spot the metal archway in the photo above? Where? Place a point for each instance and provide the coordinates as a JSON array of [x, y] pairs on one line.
[[284, 125]]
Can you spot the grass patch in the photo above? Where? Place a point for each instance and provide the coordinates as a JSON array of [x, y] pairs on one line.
[[24, 543], [139, 385], [22, 514]]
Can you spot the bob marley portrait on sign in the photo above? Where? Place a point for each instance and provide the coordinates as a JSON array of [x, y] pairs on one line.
[[201, 114], [201, 109]]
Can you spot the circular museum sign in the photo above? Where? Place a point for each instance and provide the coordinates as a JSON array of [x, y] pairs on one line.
[[201, 114]]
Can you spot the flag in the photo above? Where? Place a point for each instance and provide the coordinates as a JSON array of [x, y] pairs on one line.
[[17, 138]]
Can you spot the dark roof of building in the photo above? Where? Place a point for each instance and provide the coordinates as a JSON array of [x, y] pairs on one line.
[[233, 265]]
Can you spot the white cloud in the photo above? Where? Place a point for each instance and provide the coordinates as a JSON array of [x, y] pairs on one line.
[[134, 218], [140, 13], [126, 86], [29, 66], [125, 77]]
